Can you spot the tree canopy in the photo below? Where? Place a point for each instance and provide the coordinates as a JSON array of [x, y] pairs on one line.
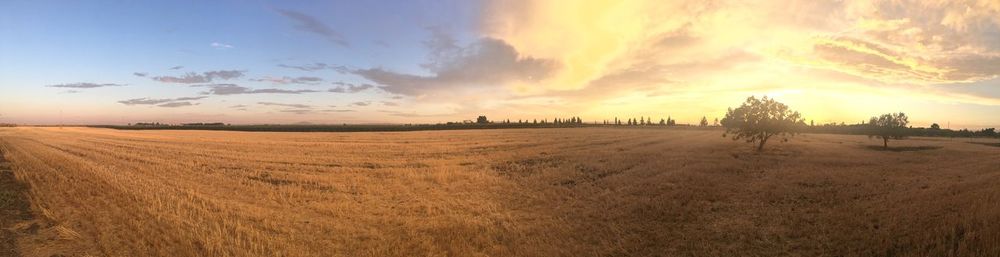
[[888, 126], [757, 120]]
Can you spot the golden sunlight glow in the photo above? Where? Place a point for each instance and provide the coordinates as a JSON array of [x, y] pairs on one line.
[[702, 57], [585, 37]]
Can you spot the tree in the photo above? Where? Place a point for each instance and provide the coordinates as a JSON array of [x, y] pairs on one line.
[[663, 122], [757, 120], [704, 122], [482, 119], [888, 126], [716, 123], [935, 126], [988, 132]]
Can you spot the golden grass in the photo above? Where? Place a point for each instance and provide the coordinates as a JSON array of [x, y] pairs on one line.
[[517, 192]]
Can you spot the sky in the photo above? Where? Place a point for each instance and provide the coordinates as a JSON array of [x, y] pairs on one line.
[[334, 62]]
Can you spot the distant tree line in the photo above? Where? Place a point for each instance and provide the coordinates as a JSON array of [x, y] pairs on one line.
[[558, 121], [157, 124], [577, 121], [935, 130]]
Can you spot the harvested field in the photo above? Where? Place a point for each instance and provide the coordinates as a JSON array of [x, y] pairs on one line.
[[511, 192]]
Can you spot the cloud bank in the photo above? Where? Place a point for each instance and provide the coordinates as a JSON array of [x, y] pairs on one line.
[[487, 62]]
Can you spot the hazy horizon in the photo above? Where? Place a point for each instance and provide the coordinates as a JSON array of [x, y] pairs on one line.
[[398, 62]]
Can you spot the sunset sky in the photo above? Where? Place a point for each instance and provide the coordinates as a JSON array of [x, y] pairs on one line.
[[115, 62]]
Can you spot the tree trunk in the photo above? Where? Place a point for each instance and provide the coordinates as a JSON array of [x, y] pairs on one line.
[[885, 142], [762, 141]]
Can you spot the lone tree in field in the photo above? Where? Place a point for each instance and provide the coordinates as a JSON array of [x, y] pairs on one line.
[[482, 119], [888, 126], [704, 122], [757, 120]]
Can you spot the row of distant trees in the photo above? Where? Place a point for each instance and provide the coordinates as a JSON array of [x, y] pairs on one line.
[[934, 130], [153, 124], [641, 121]]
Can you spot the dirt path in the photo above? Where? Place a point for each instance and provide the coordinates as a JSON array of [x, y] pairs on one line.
[[14, 208]]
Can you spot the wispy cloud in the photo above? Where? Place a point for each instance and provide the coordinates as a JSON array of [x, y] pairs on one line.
[[300, 106], [233, 89], [290, 80], [349, 88], [176, 67], [317, 66], [297, 111], [140, 74], [85, 85], [204, 77], [144, 101], [162, 102], [388, 103], [410, 114], [218, 45], [190, 98], [176, 104], [313, 111], [361, 103], [311, 24]]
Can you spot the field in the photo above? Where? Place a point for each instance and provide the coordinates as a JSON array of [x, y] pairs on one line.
[[509, 192]]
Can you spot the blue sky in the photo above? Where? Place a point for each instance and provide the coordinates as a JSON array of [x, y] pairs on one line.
[[59, 42], [100, 62]]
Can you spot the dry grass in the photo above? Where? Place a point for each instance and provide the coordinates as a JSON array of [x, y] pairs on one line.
[[518, 192]]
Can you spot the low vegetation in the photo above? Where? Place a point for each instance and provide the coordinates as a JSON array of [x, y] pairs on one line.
[[523, 192]]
